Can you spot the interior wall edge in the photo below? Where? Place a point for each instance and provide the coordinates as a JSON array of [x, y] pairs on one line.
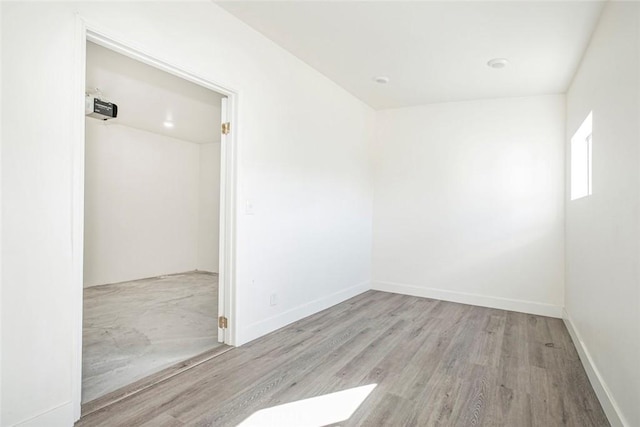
[[1, 244], [529, 307], [472, 100], [611, 408], [263, 327], [173, 139]]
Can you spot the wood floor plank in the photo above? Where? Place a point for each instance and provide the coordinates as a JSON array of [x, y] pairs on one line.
[[514, 368], [580, 399], [547, 398], [438, 399], [163, 420], [477, 396], [510, 408], [386, 410], [487, 349], [435, 363]]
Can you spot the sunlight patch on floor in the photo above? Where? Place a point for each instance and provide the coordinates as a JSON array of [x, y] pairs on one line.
[[314, 411]]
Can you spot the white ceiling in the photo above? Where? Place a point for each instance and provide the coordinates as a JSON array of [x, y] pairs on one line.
[[431, 51], [147, 96]]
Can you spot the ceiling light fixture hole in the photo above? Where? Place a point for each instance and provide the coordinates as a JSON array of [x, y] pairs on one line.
[[497, 63]]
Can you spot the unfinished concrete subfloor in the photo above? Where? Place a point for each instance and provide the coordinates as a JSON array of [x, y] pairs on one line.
[[134, 329]]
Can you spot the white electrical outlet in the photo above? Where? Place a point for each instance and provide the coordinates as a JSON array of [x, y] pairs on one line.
[[273, 300]]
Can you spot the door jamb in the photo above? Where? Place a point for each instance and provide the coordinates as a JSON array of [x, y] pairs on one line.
[[228, 171]]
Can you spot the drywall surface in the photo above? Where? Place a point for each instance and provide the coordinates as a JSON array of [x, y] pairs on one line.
[[142, 204], [602, 296], [36, 216], [303, 162], [147, 97], [469, 202], [209, 208], [1, 136]]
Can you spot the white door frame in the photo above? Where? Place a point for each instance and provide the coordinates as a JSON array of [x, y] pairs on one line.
[[228, 158]]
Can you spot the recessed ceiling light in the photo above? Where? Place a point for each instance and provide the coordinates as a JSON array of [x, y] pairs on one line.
[[498, 63], [381, 79], [168, 124]]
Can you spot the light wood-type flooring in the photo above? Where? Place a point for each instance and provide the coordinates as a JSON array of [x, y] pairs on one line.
[[134, 329], [435, 363]]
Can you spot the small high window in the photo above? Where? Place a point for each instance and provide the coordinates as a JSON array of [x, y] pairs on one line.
[[581, 160]]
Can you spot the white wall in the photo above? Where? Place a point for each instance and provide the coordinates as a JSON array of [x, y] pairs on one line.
[[469, 202], [143, 204], [303, 162], [148, 96], [36, 221], [1, 136], [209, 208], [603, 230]]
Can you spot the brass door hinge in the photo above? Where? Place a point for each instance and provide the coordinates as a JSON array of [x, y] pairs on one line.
[[222, 322], [226, 128]]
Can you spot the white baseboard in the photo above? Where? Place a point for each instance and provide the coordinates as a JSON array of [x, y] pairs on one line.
[[609, 405], [471, 299], [60, 416], [263, 327]]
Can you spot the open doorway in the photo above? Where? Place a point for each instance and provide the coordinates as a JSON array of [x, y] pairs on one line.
[[152, 223]]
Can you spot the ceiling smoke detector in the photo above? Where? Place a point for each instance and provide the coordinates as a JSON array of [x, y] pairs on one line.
[[381, 79], [498, 63]]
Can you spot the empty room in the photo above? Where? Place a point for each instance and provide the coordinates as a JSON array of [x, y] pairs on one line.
[[151, 222], [421, 213]]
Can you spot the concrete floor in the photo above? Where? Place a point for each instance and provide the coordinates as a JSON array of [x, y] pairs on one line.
[[134, 329]]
